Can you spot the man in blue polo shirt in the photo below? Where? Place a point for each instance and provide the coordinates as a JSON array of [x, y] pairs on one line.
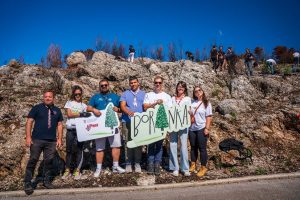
[[47, 119], [132, 101], [97, 103]]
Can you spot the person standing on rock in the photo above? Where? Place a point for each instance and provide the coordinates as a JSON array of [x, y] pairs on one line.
[[214, 58], [201, 109], [131, 53], [157, 97], [131, 102], [97, 103], [231, 60], [74, 109], [249, 59], [296, 56], [221, 58], [47, 120], [180, 98]]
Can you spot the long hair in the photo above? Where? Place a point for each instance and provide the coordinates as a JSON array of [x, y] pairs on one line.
[[74, 88], [204, 98], [183, 84]]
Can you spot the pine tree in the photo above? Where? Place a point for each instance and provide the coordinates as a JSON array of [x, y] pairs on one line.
[[161, 118], [110, 118]]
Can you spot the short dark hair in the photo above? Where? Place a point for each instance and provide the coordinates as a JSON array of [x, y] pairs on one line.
[[49, 90], [104, 80], [131, 78]]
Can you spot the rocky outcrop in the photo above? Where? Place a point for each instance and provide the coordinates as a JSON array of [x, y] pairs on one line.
[[260, 111], [75, 59]]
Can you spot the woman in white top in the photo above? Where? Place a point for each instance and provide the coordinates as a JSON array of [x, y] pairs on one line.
[[74, 108], [180, 98], [199, 130]]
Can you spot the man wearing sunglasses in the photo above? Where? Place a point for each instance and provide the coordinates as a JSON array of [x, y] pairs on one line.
[[97, 103], [158, 96]]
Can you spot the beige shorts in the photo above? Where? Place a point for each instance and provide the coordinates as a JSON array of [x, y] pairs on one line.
[[114, 141]]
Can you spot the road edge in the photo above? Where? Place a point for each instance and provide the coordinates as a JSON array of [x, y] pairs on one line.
[[60, 191]]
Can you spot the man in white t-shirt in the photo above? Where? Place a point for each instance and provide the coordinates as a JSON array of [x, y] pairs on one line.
[[158, 96], [271, 64]]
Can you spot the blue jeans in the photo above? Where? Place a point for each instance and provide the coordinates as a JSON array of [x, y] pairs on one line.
[[155, 152], [184, 160], [249, 66]]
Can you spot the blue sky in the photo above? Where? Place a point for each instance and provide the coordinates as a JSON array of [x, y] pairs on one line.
[[29, 27]]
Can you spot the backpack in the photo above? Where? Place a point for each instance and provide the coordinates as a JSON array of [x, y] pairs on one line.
[[233, 144]]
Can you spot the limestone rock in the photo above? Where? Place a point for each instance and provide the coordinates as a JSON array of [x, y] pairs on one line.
[[76, 58]]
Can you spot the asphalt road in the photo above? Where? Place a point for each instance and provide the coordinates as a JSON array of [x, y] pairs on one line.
[[263, 189]]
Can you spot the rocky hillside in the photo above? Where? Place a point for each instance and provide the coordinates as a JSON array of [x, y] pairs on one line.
[[260, 111]]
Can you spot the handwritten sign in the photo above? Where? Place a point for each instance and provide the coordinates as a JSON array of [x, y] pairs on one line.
[[154, 124], [98, 127]]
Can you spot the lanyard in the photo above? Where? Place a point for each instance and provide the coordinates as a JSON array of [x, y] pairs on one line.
[[134, 97]]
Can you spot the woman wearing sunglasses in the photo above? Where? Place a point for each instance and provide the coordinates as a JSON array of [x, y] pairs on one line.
[[201, 111], [74, 108]]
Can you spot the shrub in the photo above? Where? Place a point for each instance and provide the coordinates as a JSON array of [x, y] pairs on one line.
[[287, 70], [54, 56], [172, 52]]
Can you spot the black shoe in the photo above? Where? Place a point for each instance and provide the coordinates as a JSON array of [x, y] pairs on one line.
[[48, 185], [28, 188], [157, 169], [150, 168]]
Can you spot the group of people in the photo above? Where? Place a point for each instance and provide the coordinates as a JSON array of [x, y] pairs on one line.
[[47, 132], [221, 60]]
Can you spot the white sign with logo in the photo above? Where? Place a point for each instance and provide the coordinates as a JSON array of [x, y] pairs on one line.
[[93, 127], [154, 124]]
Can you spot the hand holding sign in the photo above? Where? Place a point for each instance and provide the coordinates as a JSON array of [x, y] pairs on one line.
[[154, 124], [93, 127]]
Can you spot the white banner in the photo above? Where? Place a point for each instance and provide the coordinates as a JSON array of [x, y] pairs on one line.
[[93, 127], [154, 124]]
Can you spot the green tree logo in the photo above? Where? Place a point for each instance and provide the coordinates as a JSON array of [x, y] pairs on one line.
[[110, 118], [161, 118]]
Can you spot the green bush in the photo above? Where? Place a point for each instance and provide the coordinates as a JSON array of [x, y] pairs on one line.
[[265, 69], [287, 70]]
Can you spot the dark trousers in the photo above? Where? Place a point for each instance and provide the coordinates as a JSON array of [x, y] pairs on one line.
[[71, 141], [198, 141], [155, 152], [231, 68], [48, 148], [132, 154], [215, 63]]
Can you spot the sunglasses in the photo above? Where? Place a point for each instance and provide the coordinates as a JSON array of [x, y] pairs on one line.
[[158, 83], [77, 94], [104, 85]]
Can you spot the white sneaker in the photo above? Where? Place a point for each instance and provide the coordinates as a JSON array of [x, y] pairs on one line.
[[175, 173], [187, 173], [118, 169], [97, 173], [137, 168], [128, 169]]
